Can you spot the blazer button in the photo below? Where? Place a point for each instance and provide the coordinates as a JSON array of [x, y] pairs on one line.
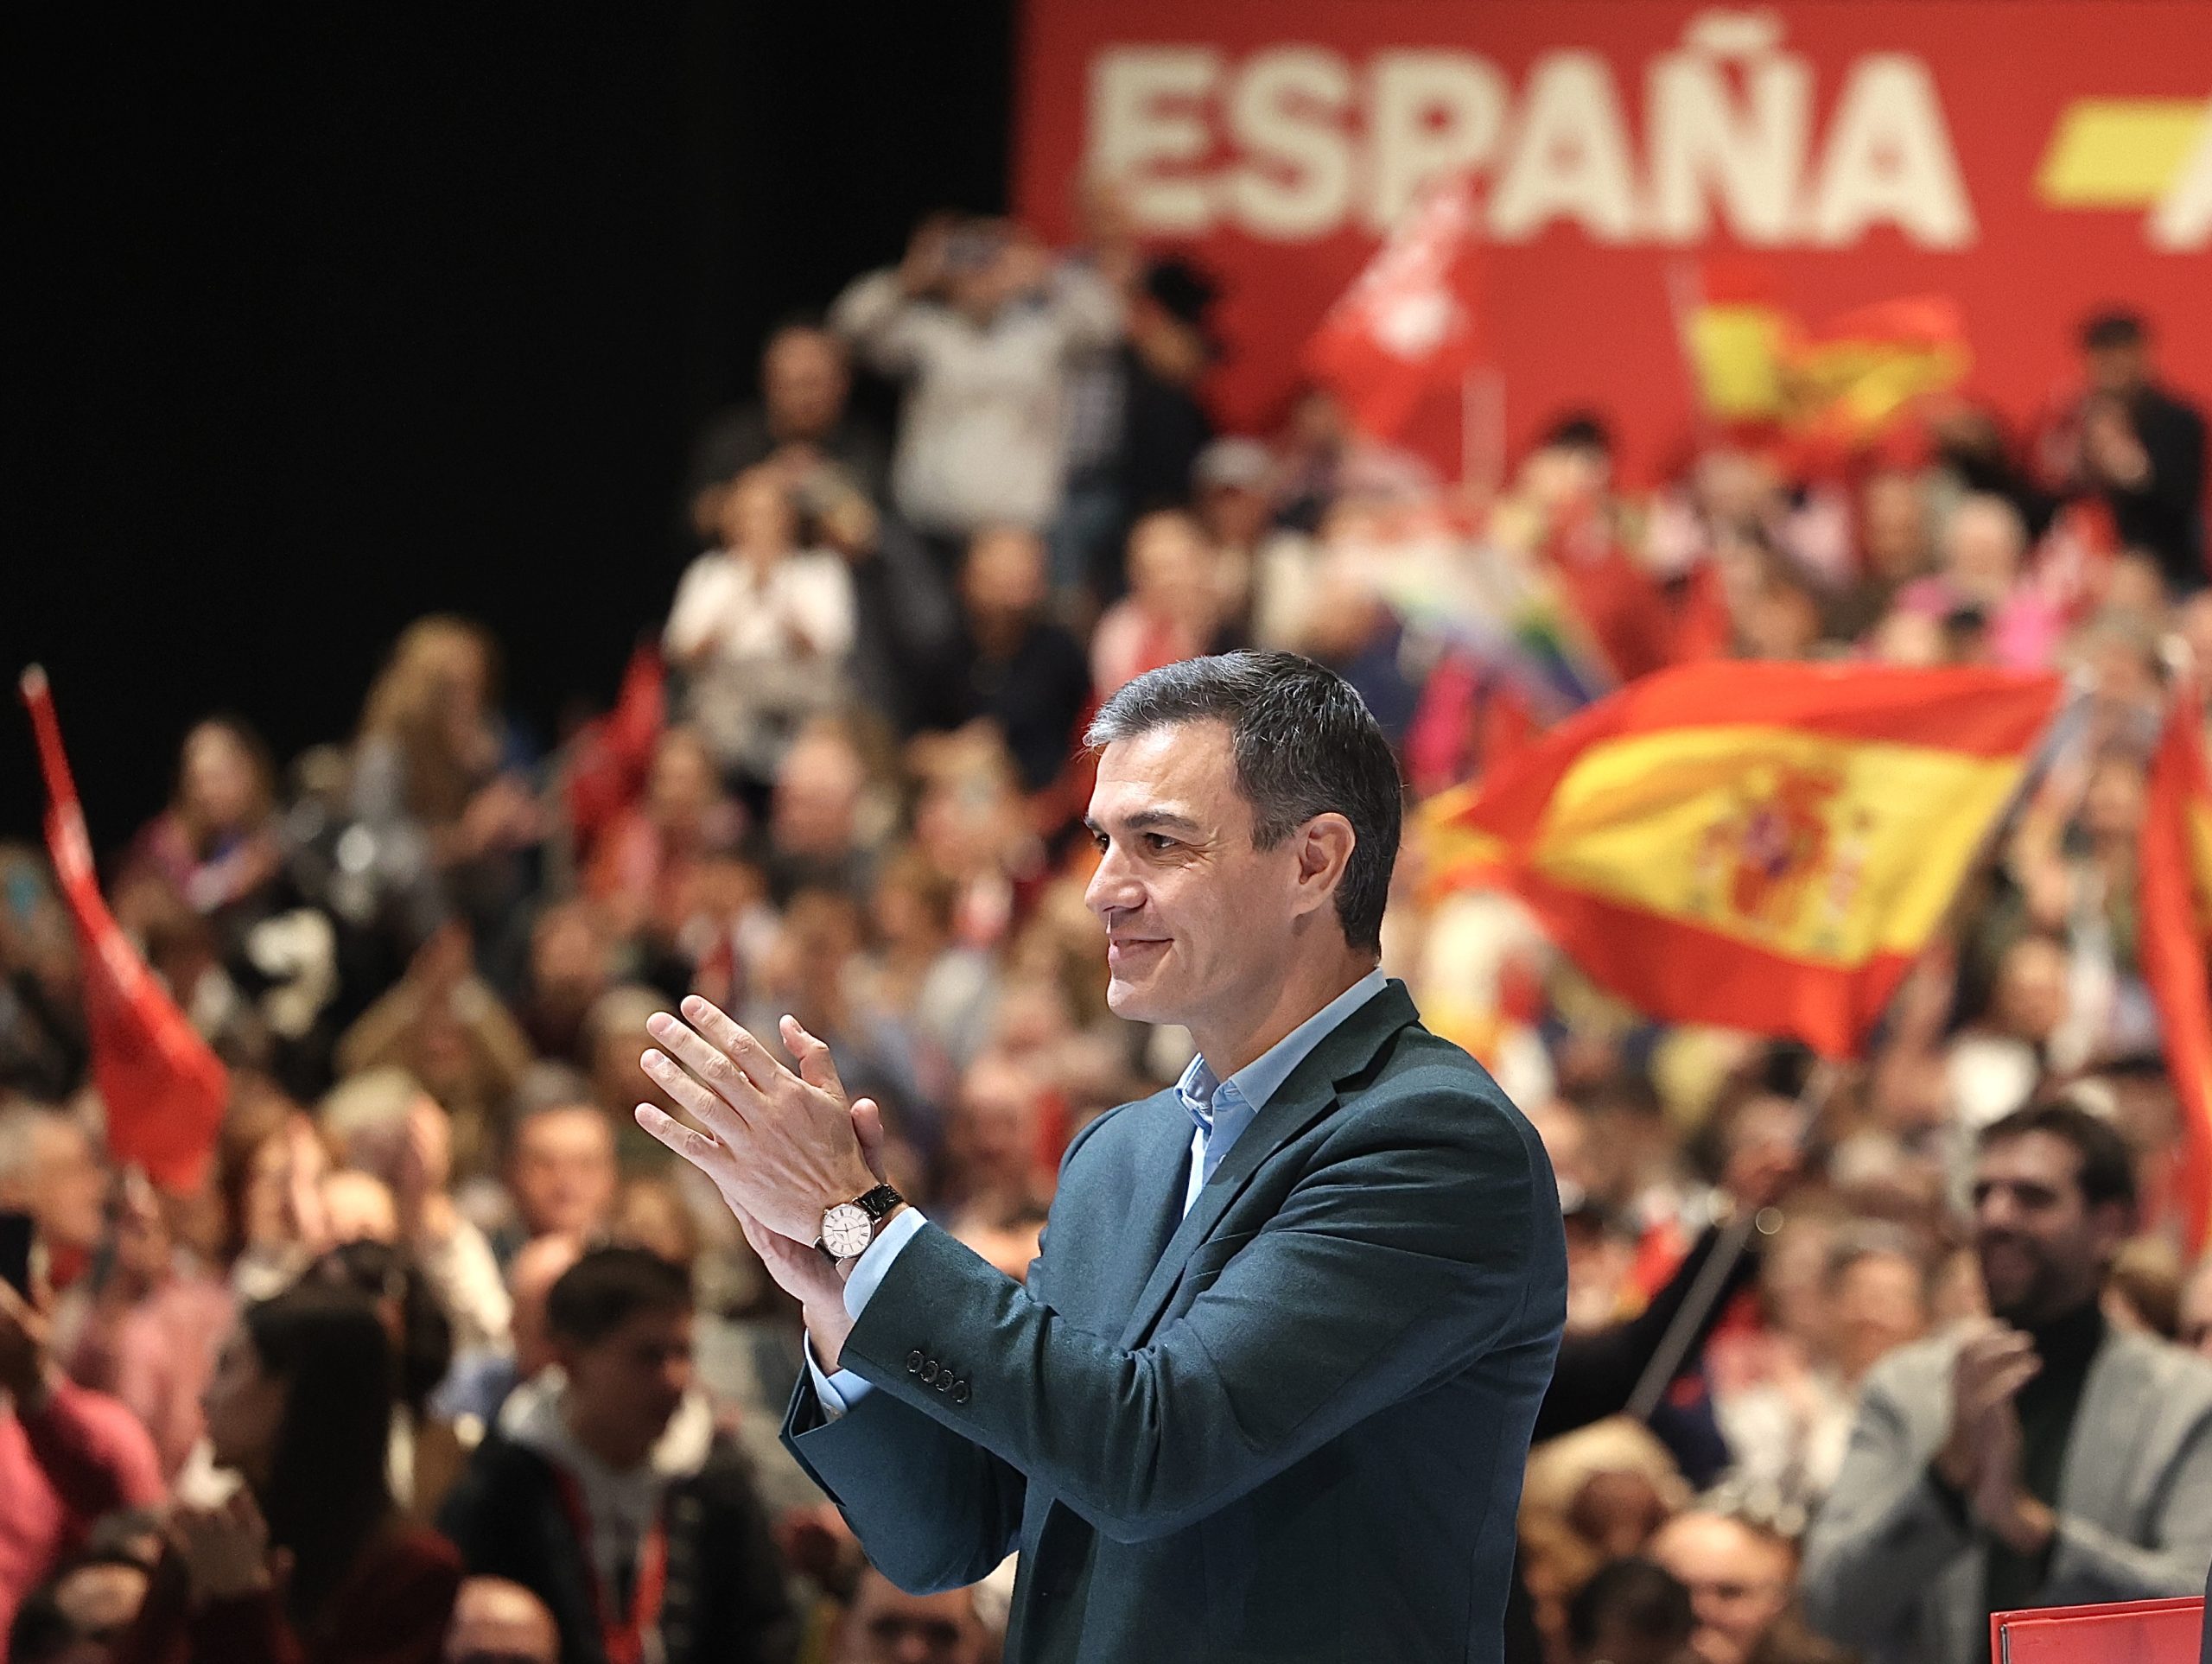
[[929, 1373], [913, 1363], [959, 1392], [944, 1381]]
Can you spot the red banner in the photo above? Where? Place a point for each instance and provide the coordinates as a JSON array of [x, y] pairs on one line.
[[2032, 160]]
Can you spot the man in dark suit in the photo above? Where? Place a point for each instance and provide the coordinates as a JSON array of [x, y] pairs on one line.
[[1268, 1392]]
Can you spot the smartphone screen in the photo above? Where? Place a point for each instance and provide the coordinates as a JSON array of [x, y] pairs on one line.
[[16, 1251]]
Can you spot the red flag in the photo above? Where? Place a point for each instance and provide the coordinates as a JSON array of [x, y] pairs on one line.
[[1408, 325], [164, 1088], [613, 754], [2175, 900]]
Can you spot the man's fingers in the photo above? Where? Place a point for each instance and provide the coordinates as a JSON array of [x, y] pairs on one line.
[[868, 1128], [816, 1066], [731, 1080], [759, 1064], [705, 1104], [694, 1146]]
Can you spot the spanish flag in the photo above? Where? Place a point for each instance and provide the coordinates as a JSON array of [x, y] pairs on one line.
[[164, 1090], [1757, 846], [2175, 895]]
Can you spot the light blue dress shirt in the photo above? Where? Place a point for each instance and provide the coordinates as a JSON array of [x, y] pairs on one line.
[[1219, 1109]]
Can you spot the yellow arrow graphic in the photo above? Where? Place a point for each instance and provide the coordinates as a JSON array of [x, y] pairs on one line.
[[2119, 153]]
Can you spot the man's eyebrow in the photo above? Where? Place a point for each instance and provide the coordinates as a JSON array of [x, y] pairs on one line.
[[1145, 820]]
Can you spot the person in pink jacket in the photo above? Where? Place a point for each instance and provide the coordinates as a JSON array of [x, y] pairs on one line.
[[68, 1456]]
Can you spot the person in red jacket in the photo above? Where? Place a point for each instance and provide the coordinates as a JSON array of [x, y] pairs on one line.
[[67, 1455], [308, 1562]]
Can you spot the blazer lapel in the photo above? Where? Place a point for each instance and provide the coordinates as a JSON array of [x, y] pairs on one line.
[[1308, 1093]]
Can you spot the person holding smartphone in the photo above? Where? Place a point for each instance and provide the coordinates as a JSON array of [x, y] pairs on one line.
[[67, 1455]]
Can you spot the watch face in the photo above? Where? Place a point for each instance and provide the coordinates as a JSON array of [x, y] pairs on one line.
[[846, 1230]]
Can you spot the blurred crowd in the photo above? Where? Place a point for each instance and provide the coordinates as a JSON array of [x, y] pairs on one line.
[[446, 1361]]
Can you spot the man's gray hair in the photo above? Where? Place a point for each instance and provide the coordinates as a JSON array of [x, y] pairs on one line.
[[1305, 744]]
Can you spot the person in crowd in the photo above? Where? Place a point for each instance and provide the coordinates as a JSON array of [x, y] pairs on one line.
[[82, 1613], [496, 1622], [67, 1454], [2139, 447], [1172, 611], [762, 629], [2040, 1457], [474, 1392], [309, 1558], [570, 966], [142, 1326], [983, 328], [438, 782], [645, 868], [942, 993], [1630, 1611], [50, 1169], [1983, 547], [1788, 1435], [425, 1453], [820, 819], [803, 408], [1011, 664], [883, 1624], [1739, 1576], [561, 1169], [217, 841], [606, 1492], [384, 1125], [443, 1025]]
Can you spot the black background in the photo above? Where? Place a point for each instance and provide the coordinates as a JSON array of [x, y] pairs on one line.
[[343, 315]]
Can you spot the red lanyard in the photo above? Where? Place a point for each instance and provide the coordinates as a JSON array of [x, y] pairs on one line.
[[623, 1635]]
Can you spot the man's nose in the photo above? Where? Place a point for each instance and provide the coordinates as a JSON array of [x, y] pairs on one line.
[[1113, 888]]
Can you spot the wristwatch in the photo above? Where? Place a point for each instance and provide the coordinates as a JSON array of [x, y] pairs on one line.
[[849, 1227]]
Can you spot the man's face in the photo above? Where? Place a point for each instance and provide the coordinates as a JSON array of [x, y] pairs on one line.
[[1198, 922], [885, 1625], [1739, 1581], [2120, 368], [630, 1382], [564, 1171], [804, 380], [69, 1192], [2043, 1249]]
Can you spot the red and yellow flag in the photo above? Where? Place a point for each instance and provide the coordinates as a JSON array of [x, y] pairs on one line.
[[2176, 940], [1759, 846]]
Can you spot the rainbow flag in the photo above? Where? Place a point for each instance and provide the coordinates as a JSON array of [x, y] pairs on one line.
[[1759, 846], [2175, 897]]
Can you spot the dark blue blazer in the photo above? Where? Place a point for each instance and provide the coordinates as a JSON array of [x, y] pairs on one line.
[[1289, 1427]]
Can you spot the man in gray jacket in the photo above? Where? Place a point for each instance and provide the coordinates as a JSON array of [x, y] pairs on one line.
[[2040, 1457]]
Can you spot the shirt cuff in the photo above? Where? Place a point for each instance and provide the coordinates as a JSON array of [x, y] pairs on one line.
[[838, 1393]]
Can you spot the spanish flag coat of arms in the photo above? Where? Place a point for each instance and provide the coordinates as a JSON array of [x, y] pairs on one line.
[[1759, 846]]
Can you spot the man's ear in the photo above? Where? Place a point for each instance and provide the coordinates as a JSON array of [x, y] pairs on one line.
[[1324, 846]]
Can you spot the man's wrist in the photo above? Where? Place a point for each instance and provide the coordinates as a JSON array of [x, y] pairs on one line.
[[846, 1267]]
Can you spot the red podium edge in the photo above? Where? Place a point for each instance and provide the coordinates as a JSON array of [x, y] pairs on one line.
[[2193, 1604]]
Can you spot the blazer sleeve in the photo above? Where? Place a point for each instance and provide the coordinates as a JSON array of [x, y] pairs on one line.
[[2089, 1563], [1883, 1532], [1405, 1253], [933, 1509]]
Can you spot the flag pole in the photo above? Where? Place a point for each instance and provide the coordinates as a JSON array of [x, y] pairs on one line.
[[1482, 430]]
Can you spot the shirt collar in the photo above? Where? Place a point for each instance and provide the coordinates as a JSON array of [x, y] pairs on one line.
[[1261, 1079]]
